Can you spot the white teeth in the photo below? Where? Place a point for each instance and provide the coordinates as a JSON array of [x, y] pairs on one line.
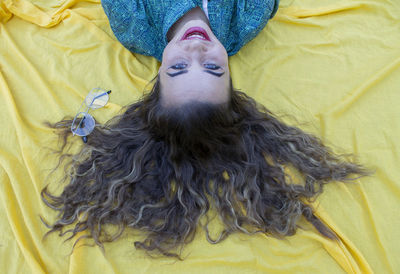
[[196, 36]]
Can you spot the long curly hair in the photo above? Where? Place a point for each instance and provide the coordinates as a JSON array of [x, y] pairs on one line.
[[160, 170]]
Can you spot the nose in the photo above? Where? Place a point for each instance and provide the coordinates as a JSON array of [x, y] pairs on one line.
[[196, 46]]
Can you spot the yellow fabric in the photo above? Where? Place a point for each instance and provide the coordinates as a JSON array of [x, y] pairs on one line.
[[334, 65]]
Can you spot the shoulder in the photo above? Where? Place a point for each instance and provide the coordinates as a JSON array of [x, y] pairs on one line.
[[236, 22], [135, 25]]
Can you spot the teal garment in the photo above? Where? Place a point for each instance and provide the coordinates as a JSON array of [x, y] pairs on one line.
[[142, 25]]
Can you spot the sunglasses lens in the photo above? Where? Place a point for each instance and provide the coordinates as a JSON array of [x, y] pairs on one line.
[[97, 98], [83, 124]]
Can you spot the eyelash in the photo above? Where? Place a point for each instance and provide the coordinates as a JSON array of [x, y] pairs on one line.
[[181, 66]]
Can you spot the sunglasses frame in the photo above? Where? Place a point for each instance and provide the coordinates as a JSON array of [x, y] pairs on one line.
[[86, 112]]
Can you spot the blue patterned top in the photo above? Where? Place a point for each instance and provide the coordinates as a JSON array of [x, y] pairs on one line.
[[142, 25]]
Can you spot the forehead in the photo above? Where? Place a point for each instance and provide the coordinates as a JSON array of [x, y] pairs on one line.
[[185, 95], [182, 89]]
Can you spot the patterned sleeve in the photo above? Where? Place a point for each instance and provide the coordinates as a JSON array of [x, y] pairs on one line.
[[132, 26], [275, 8]]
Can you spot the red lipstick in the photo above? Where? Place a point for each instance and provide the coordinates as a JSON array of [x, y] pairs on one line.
[[196, 33]]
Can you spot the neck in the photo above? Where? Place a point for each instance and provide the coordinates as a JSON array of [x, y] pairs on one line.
[[194, 14]]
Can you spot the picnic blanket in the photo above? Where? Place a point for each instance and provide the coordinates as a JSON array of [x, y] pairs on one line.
[[333, 65]]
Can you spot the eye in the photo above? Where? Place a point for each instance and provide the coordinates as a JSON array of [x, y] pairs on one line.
[[211, 66], [179, 66]]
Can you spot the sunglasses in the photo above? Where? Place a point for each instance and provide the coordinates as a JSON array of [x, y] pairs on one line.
[[83, 123]]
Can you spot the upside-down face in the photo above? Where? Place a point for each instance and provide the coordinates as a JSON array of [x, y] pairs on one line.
[[194, 67]]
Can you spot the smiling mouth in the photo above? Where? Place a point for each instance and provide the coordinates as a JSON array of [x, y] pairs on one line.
[[196, 33]]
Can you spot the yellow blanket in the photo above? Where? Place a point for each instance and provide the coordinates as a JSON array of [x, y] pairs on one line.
[[334, 65]]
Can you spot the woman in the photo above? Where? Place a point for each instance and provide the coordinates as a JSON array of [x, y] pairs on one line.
[[192, 38], [192, 146]]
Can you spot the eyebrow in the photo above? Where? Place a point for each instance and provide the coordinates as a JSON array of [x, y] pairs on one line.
[[186, 71]]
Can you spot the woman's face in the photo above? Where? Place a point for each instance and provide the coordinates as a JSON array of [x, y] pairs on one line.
[[194, 67]]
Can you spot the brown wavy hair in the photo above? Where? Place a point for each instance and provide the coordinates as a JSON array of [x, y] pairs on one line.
[[160, 170]]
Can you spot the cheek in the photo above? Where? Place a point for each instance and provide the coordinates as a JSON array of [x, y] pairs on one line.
[[167, 52], [222, 57]]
